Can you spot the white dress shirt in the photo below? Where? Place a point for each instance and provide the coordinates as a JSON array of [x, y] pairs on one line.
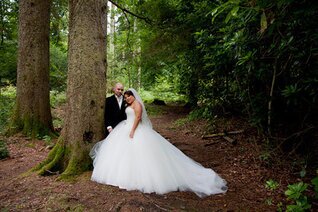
[[119, 100]]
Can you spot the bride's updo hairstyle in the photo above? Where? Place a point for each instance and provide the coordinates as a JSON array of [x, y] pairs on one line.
[[129, 93]]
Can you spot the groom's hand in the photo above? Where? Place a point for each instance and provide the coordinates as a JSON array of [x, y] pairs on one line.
[[109, 129]]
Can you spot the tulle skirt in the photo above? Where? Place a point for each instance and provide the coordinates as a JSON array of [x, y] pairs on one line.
[[149, 163]]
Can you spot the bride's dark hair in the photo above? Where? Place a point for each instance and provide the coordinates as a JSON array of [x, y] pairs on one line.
[[129, 93]]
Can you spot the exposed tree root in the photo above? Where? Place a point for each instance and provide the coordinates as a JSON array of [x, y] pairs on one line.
[[53, 160], [68, 161]]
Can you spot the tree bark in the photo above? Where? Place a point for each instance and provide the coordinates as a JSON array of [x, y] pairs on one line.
[[33, 113], [86, 87]]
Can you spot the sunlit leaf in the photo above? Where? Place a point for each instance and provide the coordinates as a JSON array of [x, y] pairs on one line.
[[235, 10]]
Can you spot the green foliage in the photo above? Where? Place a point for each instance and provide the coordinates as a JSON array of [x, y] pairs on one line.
[[269, 201], [292, 94], [8, 62], [203, 112], [59, 23], [146, 96], [251, 55], [164, 89], [181, 122], [295, 193], [58, 68], [7, 101], [271, 184], [154, 110], [314, 182], [57, 98], [9, 20], [3, 150], [8, 41], [146, 55], [47, 139], [297, 197]]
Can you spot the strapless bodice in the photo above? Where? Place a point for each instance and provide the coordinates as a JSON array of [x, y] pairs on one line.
[[130, 115]]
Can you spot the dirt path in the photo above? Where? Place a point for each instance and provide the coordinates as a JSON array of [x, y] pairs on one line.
[[238, 164]]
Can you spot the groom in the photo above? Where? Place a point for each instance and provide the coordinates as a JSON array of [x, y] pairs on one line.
[[115, 108]]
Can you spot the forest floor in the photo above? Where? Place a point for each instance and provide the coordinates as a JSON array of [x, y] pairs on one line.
[[240, 164]]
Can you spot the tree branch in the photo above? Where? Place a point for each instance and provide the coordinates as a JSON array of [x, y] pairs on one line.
[[147, 20]]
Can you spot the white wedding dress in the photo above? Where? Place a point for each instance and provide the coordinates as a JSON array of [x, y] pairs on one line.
[[149, 163]]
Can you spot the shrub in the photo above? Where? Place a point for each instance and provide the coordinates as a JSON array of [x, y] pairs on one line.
[[3, 150]]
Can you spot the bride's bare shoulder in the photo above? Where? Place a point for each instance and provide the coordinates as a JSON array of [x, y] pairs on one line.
[[136, 105]]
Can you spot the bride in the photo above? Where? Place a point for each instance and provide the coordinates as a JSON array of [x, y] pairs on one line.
[[135, 157]]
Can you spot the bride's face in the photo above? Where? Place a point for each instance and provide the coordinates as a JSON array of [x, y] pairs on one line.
[[129, 99]]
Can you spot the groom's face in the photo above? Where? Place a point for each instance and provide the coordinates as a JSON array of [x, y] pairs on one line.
[[118, 90]]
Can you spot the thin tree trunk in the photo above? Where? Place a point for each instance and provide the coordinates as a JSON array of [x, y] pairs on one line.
[[33, 113], [137, 54], [111, 52], [86, 87], [269, 109]]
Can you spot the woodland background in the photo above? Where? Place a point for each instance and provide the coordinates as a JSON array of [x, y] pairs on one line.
[[253, 59]]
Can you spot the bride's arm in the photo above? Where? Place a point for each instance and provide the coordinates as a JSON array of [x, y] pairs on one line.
[[138, 112]]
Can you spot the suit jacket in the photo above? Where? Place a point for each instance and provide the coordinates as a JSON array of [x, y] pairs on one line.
[[113, 114]]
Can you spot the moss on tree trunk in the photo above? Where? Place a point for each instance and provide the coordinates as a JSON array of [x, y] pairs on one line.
[[54, 160], [68, 160], [30, 126]]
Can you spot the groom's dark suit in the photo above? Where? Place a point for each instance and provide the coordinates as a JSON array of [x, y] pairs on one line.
[[113, 114]]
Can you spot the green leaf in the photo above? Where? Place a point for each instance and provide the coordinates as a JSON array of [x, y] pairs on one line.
[[234, 11], [295, 190], [315, 182], [215, 11], [272, 184], [294, 208], [303, 173], [263, 22], [228, 17]]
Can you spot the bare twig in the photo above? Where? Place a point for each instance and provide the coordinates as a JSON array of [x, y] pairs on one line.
[[299, 133], [269, 112], [53, 173], [284, 140], [222, 134], [158, 206], [212, 143], [118, 206], [131, 13], [231, 140]]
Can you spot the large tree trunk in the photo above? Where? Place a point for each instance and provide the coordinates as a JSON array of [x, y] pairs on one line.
[[86, 87], [33, 114]]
